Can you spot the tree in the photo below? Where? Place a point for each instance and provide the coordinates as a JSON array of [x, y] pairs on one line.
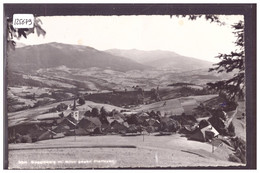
[[232, 62], [103, 111], [95, 112], [21, 32], [155, 95], [61, 107], [81, 101]]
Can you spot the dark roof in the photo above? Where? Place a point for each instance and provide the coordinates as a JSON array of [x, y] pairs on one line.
[[95, 120]]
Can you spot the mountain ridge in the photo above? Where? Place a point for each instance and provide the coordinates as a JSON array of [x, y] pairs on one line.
[[73, 56], [162, 59]]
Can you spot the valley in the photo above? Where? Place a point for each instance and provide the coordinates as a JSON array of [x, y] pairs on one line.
[[56, 91]]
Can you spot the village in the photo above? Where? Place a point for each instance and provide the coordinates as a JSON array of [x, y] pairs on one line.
[[79, 118]]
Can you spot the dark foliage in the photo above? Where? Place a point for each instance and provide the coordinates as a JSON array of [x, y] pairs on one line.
[[133, 119], [188, 91], [239, 146], [60, 96], [104, 112], [116, 98], [11, 102], [81, 101], [180, 84], [155, 115], [61, 107], [170, 126], [231, 129], [95, 112], [15, 79], [155, 94], [20, 32], [233, 62], [42, 103]]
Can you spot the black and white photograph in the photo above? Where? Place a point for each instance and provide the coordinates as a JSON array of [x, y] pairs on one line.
[[128, 86]]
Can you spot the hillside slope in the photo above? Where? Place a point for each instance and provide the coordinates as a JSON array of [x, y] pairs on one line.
[[162, 59], [73, 56]]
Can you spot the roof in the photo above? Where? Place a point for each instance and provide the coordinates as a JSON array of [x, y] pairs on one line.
[[153, 121], [117, 124], [94, 120], [111, 119], [77, 115], [143, 114], [209, 128]]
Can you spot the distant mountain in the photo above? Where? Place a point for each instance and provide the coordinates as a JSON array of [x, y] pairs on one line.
[[73, 56], [162, 59]]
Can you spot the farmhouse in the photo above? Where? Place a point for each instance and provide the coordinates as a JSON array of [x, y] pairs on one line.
[[118, 127], [205, 134], [89, 124], [49, 134], [77, 115], [154, 123]]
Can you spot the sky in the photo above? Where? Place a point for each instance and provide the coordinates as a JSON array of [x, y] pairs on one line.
[[199, 38]]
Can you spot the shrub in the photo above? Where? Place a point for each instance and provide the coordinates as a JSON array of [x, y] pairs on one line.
[[95, 112], [234, 158], [41, 103], [44, 95], [81, 101], [59, 96], [103, 111], [26, 139], [61, 107], [231, 129], [240, 149]]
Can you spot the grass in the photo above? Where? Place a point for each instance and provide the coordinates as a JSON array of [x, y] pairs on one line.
[[153, 151]]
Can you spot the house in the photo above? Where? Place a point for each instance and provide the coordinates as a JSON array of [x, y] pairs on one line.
[[115, 118], [132, 119], [188, 129], [143, 114], [205, 134], [95, 120], [143, 120], [49, 134], [27, 128], [185, 119], [154, 123], [63, 127], [169, 124], [118, 127], [90, 124], [81, 131], [66, 126], [132, 129], [77, 115]]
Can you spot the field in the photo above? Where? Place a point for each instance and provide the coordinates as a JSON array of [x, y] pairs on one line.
[[16, 118], [117, 151], [176, 106], [112, 151], [173, 106]]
